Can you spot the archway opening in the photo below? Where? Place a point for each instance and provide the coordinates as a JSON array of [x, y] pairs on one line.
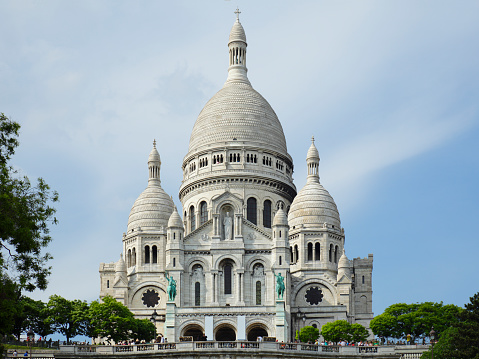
[[256, 332], [225, 334], [194, 331]]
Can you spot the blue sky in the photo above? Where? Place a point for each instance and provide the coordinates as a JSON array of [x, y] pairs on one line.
[[389, 89]]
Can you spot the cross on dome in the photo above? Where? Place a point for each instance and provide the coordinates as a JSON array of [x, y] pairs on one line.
[[312, 139], [237, 12], [154, 143]]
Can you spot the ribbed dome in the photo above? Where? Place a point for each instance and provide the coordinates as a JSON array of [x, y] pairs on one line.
[[312, 152], [120, 266], [237, 32], [312, 207], [175, 219], [154, 155], [280, 218], [238, 113], [153, 207]]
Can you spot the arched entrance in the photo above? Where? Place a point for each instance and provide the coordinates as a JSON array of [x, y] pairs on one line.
[[194, 331], [225, 333], [255, 332]]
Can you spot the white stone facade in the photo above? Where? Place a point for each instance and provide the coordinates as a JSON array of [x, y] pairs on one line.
[[235, 235]]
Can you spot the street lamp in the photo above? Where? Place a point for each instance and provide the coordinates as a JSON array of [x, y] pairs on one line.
[[432, 339], [31, 338], [153, 318]]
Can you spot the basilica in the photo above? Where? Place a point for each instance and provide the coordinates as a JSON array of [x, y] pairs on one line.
[[242, 229]]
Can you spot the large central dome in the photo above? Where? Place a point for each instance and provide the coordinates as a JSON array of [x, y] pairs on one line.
[[237, 112]]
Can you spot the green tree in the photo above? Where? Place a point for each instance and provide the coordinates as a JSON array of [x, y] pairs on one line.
[[68, 317], [9, 308], [336, 331], [358, 333], [144, 330], [112, 320], [399, 320], [461, 340], [308, 334], [25, 215]]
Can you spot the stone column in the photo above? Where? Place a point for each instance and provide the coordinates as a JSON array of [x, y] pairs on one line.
[[170, 322]]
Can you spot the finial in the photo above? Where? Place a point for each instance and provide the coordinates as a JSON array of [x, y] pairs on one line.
[[154, 143], [312, 139], [237, 12]]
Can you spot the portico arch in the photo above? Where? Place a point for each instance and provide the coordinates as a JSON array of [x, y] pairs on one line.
[[256, 330], [225, 333], [193, 330]]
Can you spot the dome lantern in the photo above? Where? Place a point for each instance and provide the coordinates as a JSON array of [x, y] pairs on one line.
[[312, 161], [154, 164], [237, 53]]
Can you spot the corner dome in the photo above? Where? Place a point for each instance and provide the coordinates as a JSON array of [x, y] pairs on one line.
[[313, 206], [120, 266], [153, 207], [280, 218], [175, 219]]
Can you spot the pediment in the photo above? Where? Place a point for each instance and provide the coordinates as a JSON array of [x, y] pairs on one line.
[[201, 234], [227, 197], [344, 279], [252, 233], [120, 283]]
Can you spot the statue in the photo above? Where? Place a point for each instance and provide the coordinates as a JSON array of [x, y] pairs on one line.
[[171, 289], [279, 285], [228, 226]]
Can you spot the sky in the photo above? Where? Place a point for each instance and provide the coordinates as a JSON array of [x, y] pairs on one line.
[[389, 89]]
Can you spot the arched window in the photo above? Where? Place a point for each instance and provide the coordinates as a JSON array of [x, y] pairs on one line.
[[336, 250], [310, 252], [227, 274], [267, 214], [258, 293], [192, 219], [363, 279], [147, 254], [331, 253], [203, 212], [108, 283], [251, 210], [129, 258], [280, 260], [291, 259], [296, 253], [154, 255], [317, 252], [174, 262], [197, 294]]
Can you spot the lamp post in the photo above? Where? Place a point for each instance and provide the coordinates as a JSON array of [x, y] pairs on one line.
[[31, 338], [432, 339], [153, 318]]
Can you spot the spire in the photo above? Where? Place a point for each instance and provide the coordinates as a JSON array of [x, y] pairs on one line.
[[154, 165], [237, 53], [312, 161]]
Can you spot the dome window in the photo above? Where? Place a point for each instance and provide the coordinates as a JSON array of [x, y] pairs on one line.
[[317, 252], [147, 254], [267, 214], [154, 252], [310, 252], [251, 210], [203, 212]]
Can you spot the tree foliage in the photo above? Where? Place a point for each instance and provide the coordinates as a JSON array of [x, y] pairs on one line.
[[68, 317], [308, 334], [25, 216], [342, 330], [399, 320], [112, 320], [461, 340]]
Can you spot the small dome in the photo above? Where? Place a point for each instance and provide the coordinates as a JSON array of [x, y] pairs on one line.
[[153, 207], [312, 207], [312, 152], [237, 32], [175, 220], [280, 218], [343, 261], [154, 155], [120, 266]]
